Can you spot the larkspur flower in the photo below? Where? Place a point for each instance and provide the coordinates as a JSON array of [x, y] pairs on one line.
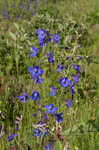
[[35, 71], [48, 147], [50, 109], [52, 91], [75, 78], [4, 14], [79, 57], [69, 103], [41, 34], [33, 51], [50, 57], [67, 57], [45, 129], [72, 89], [60, 68], [55, 38], [41, 42], [53, 110], [38, 80], [76, 67], [11, 136], [35, 96], [59, 117], [64, 82], [34, 114], [37, 132], [23, 98], [44, 116]]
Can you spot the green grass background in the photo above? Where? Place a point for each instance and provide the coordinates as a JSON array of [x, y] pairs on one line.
[[83, 12]]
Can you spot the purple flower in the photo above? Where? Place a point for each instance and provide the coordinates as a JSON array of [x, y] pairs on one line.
[[59, 117], [35, 96], [67, 57], [43, 128], [11, 136], [35, 71], [37, 132], [52, 91], [64, 82], [41, 34], [28, 5], [76, 67], [75, 78], [34, 114], [4, 14], [50, 57], [23, 98], [79, 57], [38, 80], [55, 38], [60, 68], [33, 51], [51, 109], [48, 147], [41, 42], [69, 103], [72, 90], [44, 116]]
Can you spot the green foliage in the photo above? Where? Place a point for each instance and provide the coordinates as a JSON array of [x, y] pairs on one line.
[[80, 124]]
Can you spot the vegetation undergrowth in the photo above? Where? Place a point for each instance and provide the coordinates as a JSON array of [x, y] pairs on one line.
[[49, 82]]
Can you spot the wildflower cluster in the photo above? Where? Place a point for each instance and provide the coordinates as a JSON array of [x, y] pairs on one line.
[[63, 82], [14, 10]]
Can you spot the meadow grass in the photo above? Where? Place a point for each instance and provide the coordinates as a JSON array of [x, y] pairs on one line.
[[77, 24]]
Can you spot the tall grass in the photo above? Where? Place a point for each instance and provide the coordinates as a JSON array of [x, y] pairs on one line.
[[74, 22]]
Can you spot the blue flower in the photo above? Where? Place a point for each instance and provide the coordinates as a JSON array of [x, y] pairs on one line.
[[64, 82], [41, 34], [37, 132], [50, 57], [41, 42], [35, 96], [33, 51], [79, 57], [76, 67], [48, 108], [23, 98], [38, 80], [48, 147], [72, 89], [75, 78], [44, 116], [35, 71], [52, 91], [11, 136], [43, 128], [69, 103], [51, 109], [67, 57], [60, 68], [55, 38], [59, 117]]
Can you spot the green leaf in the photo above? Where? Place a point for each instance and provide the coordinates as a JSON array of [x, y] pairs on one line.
[[12, 35], [59, 145], [74, 128], [17, 26]]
